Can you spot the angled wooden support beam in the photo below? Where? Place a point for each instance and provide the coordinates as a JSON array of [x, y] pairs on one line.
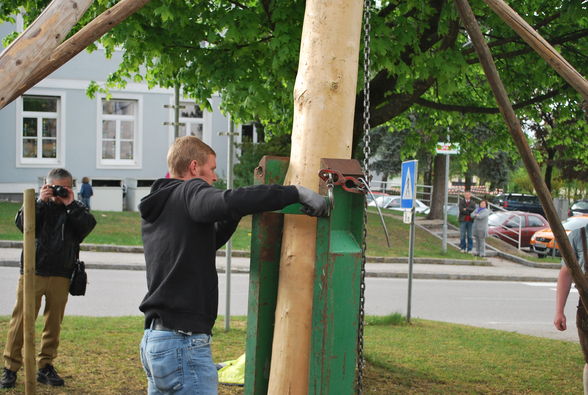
[[37, 42], [77, 43], [517, 134], [540, 45]]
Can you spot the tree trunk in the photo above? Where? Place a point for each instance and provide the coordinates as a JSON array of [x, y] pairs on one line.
[[549, 168], [468, 180], [324, 98], [438, 187], [36, 43]]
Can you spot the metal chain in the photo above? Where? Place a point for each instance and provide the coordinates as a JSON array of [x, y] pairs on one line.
[[366, 157]]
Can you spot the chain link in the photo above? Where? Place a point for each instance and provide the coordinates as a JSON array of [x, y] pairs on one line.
[[366, 157]]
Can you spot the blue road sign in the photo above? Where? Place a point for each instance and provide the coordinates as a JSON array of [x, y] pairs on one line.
[[408, 184]]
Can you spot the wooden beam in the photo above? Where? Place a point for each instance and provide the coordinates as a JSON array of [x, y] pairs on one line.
[[28, 290], [37, 43], [540, 45], [77, 43], [324, 101], [517, 134]]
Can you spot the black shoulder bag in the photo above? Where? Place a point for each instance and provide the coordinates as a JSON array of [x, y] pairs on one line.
[[79, 278]]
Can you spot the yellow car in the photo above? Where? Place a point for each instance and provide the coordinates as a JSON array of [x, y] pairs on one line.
[[543, 242]]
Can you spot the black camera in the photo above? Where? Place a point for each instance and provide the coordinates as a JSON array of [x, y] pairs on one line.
[[60, 191]]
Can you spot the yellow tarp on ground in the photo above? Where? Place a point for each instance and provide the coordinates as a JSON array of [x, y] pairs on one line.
[[233, 372]]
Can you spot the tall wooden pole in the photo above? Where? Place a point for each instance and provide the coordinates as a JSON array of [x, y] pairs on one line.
[[540, 45], [324, 101], [518, 136], [29, 290], [36, 43], [75, 44]]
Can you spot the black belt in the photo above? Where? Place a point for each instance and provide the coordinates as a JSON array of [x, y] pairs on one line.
[[157, 325]]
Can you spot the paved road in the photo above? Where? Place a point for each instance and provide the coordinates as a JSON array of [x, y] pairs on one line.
[[511, 306]]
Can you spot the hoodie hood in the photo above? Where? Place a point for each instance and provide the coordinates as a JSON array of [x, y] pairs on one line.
[[152, 205]]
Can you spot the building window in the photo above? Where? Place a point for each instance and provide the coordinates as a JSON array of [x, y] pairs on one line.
[[40, 134], [118, 132], [192, 118]]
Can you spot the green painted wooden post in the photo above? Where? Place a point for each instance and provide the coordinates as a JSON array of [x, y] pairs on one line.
[[266, 242], [335, 315]]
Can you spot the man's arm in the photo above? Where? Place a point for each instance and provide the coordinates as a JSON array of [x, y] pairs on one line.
[[564, 283], [79, 217]]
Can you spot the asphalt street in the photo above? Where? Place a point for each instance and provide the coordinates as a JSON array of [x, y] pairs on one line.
[[523, 307]]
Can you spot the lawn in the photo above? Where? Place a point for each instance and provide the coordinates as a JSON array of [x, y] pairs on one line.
[[124, 228], [100, 356]]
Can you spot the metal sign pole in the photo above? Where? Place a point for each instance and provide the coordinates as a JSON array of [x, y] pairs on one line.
[[229, 249], [410, 262], [409, 176], [445, 205]]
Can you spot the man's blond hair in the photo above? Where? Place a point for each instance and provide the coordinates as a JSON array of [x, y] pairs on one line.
[[183, 151]]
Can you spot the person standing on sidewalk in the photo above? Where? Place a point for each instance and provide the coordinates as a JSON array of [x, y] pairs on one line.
[[466, 207], [480, 227], [564, 283], [184, 221], [61, 225], [86, 192]]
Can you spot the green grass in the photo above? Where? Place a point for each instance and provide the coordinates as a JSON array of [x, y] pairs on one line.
[[100, 356]]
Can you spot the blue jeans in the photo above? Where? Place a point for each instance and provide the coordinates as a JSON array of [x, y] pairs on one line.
[[86, 202], [465, 230], [176, 363]]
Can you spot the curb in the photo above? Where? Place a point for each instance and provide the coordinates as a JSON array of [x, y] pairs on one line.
[[525, 262], [246, 254], [373, 274]]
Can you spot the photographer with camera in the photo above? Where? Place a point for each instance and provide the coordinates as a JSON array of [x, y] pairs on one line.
[[61, 225]]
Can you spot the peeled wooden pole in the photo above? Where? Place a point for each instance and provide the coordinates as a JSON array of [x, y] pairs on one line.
[[29, 290], [77, 43], [517, 134], [540, 45], [324, 101], [37, 42]]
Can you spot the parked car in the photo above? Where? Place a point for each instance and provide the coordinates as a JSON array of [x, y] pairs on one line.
[[505, 226], [370, 199], [543, 242], [519, 202], [579, 207], [391, 202]]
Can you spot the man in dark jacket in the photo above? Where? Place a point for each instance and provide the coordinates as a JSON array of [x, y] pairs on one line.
[[184, 221], [61, 225], [466, 207]]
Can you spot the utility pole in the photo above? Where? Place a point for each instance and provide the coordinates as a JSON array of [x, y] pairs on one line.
[[176, 107]]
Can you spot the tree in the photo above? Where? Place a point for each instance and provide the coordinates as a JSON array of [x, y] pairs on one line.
[[251, 154], [248, 50]]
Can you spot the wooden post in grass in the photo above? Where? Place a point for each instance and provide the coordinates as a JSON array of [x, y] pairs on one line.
[[324, 100], [77, 43], [517, 134], [540, 45], [29, 290], [37, 42]]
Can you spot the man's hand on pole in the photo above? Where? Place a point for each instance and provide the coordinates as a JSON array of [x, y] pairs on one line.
[[313, 204]]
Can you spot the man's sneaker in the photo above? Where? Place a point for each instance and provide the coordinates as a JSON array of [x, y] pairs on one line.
[[8, 379], [48, 375]]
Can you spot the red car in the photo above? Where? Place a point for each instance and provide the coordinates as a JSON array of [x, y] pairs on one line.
[[505, 225]]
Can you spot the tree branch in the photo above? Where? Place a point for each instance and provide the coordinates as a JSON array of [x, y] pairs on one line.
[[483, 110]]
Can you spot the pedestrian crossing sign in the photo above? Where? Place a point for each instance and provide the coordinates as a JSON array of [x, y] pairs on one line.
[[408, 177]]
